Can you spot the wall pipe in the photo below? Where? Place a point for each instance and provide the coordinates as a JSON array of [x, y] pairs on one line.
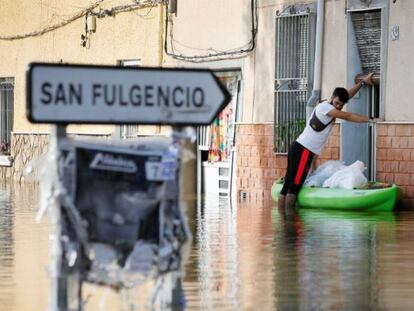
[[317, 72]]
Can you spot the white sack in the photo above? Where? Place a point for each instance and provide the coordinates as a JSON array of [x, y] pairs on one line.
[[323, 172], [349, 177]]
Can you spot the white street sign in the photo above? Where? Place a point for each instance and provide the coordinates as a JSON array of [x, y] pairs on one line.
[[58, 93]]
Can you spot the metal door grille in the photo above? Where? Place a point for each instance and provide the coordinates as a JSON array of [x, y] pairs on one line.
[[6, 112], [294, 63]]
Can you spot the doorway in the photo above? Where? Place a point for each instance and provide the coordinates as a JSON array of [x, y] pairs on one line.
[[365, 51], [215, 144]]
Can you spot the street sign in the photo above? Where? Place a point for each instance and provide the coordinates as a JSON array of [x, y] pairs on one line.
[[59, 93]]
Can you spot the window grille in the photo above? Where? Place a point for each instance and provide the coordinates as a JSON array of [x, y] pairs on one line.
[[6, 113], [129, 131], [293, 76]]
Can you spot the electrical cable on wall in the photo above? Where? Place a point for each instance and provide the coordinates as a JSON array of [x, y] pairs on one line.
[[125, 8], [89, 10], [53, 27], [216, 56]]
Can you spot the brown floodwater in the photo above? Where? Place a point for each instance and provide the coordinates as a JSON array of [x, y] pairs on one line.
[[243, 257]]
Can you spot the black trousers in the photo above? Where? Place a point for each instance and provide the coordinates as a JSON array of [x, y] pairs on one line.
[[299, 163]]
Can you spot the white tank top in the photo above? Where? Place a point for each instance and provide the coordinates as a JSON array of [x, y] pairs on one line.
[[315, 141]]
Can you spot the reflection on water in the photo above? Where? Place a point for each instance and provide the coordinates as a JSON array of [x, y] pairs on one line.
[[250, 258], [244, 257], [23, 251], [231, 266], [6, 251], [327, 261]]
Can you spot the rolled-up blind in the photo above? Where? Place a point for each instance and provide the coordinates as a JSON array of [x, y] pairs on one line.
[[367, 27]]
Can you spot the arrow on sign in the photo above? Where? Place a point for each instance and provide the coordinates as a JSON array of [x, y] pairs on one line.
[[59, 93]]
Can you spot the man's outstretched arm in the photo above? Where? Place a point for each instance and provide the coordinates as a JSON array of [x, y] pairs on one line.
[[348, 116], [353, 90]]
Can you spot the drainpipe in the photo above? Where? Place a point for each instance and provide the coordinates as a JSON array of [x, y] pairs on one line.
[[316, 93]]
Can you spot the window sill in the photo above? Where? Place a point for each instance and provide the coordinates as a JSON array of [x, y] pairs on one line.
[[6, 160]]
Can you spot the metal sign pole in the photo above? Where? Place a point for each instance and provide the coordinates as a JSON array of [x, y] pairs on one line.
[[57, 298]]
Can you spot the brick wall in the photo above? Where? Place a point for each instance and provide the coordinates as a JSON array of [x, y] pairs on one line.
[[395, 158], [24, 148], [258, 166], [28, 147]]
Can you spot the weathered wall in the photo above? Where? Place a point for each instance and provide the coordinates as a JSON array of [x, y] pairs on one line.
[[128, 35], [216, 27], [334, 47], [398, 105], [24, 148], [132, 35]]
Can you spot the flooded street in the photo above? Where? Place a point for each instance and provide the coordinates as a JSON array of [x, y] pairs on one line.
[[243, 257]]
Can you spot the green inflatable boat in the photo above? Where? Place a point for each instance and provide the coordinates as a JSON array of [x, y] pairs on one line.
[[373, 199]]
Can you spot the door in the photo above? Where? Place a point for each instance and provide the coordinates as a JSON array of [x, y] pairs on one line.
[[215, 143], [363, 56]]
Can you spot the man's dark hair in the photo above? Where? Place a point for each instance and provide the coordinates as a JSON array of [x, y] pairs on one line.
[[342, 94]]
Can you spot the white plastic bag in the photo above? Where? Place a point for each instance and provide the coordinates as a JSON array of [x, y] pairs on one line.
[[323, 172], [349, 177]]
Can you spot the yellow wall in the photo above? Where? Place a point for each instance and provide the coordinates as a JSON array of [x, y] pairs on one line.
[[400, 64], [130, 35], [334, 48], [199, 27], [207, 27]]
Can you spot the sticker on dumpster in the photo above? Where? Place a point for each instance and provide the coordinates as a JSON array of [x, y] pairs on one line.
[[153, 171], [109, 162], [161, 171]]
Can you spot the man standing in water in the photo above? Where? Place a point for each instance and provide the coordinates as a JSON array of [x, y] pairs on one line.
[[313, 139]]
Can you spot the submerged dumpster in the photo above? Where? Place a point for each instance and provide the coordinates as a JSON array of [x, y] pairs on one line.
[[122, 221]]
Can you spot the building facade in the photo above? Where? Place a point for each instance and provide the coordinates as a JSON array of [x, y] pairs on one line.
[[276, 76], [93, 32], [262, 50]]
